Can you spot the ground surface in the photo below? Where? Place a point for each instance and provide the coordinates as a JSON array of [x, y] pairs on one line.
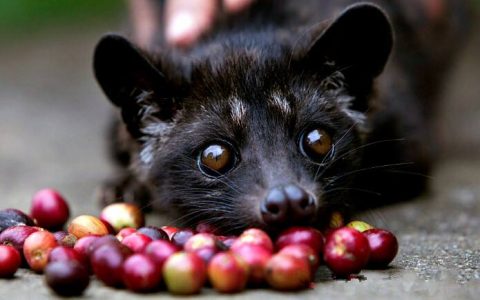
[[52, 121]]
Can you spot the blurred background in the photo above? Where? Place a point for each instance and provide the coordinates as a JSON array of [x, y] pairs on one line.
[[53, 116]]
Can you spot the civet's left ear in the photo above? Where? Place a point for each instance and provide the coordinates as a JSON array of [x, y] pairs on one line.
[[358, 43]]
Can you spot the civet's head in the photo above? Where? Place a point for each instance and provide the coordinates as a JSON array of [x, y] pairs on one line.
[[256, 136]]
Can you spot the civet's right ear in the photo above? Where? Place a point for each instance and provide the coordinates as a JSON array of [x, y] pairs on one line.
[[131, 82]]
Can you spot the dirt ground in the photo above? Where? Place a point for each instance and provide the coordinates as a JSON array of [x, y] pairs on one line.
[[52, 124]]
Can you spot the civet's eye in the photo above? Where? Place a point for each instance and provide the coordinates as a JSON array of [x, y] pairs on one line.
[[316, 144], [216, 159]]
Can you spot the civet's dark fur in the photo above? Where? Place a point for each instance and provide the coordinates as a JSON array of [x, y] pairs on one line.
[[320, 59]]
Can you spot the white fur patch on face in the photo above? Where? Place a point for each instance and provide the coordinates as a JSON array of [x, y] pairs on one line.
[[279, 102], [238, 110], [358, 117], [146, 154], [157, 128]]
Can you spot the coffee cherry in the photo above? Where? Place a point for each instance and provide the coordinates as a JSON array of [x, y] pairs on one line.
[[303, 252], [62, 253], [140, 273], [359, 225], [87, 225], [346, 251], [124, 232], [159, 251], [13, 217], [254, 236], [10, 261], [383, 246], [170, 230], [154, 233], [256, 257], [205, 245], [100, 241], [137, 242], [301, 235], [83, 244], [336, 220], [107, 262], [287, 272], [49, 209], [67, 278], [121, 215], [184, 273], [37, 248], [65, 239], [227, 273], [205, 228], [180, 237], [200, 240]]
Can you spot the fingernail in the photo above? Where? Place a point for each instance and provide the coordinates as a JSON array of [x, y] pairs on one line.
[[181, 29]]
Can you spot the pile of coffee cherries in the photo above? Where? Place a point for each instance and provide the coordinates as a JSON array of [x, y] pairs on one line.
[[122, 252]]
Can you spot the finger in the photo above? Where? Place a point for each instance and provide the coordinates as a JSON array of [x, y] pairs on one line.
[[234, 6], [144, 15], [187, 20]]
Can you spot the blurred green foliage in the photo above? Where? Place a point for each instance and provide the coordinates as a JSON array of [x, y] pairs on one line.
[[20, 16]]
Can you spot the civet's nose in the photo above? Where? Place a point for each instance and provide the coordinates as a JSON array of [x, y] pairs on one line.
[[287, 204]]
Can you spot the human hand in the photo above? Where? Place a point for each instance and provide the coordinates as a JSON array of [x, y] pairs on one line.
[[187, 20]]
